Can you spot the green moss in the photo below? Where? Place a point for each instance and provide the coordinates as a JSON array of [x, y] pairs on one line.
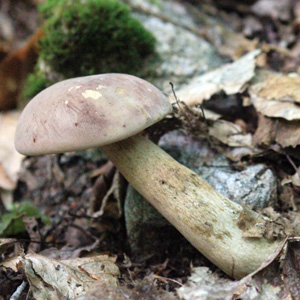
[[35, 83], [93, 36], [85, 37]]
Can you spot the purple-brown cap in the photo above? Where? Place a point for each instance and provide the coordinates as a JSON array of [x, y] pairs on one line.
[[87, 112]]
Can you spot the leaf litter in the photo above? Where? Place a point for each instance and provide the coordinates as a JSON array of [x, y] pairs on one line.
[[273, 98]]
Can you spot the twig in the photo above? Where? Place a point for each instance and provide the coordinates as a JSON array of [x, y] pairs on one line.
[[165, 279], [83, 231], [178, 102], [16, 295]]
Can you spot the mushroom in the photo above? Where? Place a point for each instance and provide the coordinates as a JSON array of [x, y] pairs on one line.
[[109, 111]]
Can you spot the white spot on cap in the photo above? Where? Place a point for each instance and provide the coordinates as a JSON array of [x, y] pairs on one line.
[[149, 90], [66, 102], [91, 94], [76, 87], [99, 87]]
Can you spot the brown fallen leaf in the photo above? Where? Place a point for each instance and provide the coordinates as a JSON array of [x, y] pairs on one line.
[[282, 88], [288, 133], [111, 203], [101, 186], [265, 132], [14, 68], [273, 130], [276, 95]]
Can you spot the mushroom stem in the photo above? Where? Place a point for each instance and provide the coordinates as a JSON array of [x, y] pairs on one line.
[[211, 222]]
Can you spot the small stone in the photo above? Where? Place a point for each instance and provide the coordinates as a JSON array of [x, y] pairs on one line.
[[255, 186]]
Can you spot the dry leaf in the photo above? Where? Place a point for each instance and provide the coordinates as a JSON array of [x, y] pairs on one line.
[[205, 285], [272, 108], [277, 95], [288, 133], [236, 154], [6, 243], [111, 203], [230, 134], [265, 132], [67, 279], [11, 262], [296, 178], [271, 130], [102, 291], [230, 78], [282, 88]]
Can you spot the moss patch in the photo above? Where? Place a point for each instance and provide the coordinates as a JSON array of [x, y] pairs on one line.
[[89, 37], [35, 83]]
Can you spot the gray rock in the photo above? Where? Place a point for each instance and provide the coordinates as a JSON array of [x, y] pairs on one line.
[[182, 54], [255, 186]]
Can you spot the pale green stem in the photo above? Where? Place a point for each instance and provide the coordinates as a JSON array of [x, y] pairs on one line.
[[210, 221]]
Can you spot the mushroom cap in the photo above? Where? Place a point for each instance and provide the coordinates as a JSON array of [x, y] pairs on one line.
[[87, 112]]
